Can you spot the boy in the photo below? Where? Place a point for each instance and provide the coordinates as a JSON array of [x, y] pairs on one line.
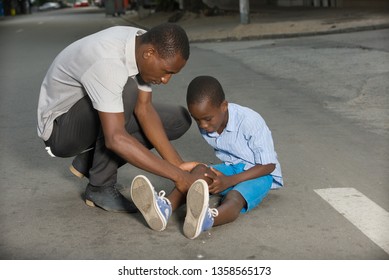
[[250, 168]]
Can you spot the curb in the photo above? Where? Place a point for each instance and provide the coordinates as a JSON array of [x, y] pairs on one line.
[[293, 35], [277, 36]]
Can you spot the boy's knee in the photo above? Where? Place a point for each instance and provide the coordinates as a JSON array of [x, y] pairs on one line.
[[199, 168], [200, 171], [236, 199]]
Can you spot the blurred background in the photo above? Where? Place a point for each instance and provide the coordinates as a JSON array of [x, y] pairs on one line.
[[209, 7]]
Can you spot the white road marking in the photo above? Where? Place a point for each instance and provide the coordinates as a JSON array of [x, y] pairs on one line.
[[366, 215]]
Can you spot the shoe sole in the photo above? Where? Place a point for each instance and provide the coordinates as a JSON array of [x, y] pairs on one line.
[[90, 203], [197, 201], [76, 172], [142, 194]]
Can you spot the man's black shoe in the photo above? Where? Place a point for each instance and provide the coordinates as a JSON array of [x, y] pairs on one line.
[[108, 198]]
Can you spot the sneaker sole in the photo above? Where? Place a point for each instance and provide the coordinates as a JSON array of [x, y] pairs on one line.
[[196, 208], [142, 194]]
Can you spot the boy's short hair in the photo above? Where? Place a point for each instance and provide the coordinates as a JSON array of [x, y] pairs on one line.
[[168, 39], [204, 88]]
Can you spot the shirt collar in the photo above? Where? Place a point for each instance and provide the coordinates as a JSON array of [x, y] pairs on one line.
[[231, 124], [130, 52]]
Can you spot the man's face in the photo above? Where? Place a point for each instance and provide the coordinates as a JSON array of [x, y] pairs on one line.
[[155, 70], [208, 117]]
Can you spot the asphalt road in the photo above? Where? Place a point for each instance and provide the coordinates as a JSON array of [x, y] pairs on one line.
[[302, 88]]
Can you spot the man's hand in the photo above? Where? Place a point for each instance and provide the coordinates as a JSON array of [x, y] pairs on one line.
[[189, 165], [185, 182], [197, 171]]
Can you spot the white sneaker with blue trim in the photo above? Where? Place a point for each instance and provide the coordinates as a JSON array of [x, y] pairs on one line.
[[199, 217], [155, 208]]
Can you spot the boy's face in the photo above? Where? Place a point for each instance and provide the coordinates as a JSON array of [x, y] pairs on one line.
[[208, 117]]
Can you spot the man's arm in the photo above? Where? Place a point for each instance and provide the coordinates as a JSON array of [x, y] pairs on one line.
[[127, 147], [153, 128]]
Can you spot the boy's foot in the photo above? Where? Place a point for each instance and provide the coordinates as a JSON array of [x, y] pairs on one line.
[[155, 208], [108, 198], [199, 217]]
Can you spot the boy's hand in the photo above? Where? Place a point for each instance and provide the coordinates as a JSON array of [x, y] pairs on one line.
[[219, 181]]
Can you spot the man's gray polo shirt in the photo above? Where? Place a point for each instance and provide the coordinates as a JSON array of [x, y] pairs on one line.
[[98, 65]]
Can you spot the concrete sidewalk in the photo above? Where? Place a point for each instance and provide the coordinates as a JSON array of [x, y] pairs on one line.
[[268, 22]]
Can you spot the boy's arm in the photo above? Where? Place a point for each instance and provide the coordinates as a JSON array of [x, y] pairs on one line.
[[222, 182]]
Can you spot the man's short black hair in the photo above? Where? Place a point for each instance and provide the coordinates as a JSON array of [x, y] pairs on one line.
[[205, 88], [168, 39]]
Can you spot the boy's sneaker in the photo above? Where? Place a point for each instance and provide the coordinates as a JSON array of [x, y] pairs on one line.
[[199, 217], [155, 208]]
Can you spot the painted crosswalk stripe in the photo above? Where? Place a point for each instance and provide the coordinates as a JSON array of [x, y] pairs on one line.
[[366, 215]]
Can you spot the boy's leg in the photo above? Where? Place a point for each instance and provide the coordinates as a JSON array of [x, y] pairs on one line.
[[199, 217], [242, 198], [155, 208], [233, 201], [176, 197], [230, 208]]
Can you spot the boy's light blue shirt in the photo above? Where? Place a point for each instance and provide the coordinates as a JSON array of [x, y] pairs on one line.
[[246, 139]]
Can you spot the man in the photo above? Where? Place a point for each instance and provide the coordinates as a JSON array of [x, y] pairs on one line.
[[96, 104]]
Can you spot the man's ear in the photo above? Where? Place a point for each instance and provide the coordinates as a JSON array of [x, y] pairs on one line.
[[224, 106], [148, 52]]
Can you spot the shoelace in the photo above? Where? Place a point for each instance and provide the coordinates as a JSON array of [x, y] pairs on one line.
[[162, 194], [213, 212]]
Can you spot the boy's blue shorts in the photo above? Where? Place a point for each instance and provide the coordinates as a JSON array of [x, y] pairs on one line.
[[253, 191]]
